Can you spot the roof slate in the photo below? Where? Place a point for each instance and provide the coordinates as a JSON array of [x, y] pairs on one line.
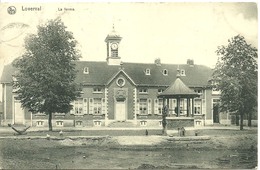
[[100, 73]]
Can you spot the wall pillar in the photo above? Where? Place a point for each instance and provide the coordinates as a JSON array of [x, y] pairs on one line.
[[188, 107], [178, 107], [192, 107]]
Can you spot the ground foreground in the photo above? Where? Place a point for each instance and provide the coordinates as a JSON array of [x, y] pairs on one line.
[[232, 149]]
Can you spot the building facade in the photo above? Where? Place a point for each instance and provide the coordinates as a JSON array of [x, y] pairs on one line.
[[119, 94]]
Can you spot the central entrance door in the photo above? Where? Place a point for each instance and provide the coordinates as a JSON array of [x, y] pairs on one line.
[[120, 110]]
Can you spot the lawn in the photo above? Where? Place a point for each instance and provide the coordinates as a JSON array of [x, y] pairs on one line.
[[230, 149]]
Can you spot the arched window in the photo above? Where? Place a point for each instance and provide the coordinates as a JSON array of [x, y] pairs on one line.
[[147, 71], [86, 70], [183, 72], [165, 72]]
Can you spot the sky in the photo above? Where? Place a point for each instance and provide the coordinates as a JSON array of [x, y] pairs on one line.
[[173, 32]]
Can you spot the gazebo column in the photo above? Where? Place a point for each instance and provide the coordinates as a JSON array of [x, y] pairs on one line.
[[193, 107], [188, 107], [178, 107]]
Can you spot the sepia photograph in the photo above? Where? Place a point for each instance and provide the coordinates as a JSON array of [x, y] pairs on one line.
[[133, 85]]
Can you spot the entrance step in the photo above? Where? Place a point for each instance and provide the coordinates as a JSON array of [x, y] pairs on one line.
[[121, 124]]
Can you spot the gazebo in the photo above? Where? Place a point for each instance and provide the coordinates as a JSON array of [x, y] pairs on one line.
[[178, 90]]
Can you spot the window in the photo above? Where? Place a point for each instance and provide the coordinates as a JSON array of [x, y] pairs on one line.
[[97, 123], [197, 106], [216, 100], [160, 106], [97, 90], [85, 105], [78, 123], [59, 123], [216, 103], [214, 87], [78, 106], [147, 71], [160, 90], [39, 123], [160, 123], [97, 106], [183, 72], [165, 72], [199, 91], [86, 70], [120, 82], [198, 123], [143, 90], [143, 106], [143, 123], [215, 91]]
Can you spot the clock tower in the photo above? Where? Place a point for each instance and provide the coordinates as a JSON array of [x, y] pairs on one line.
[[112, 41]]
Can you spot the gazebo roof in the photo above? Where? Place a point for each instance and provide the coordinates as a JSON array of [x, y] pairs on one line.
[[178, 90]]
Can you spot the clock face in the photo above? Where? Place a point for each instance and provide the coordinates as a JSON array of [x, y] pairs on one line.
[[114, 46]]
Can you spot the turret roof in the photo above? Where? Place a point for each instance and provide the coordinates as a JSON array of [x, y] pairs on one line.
[[178, 89]]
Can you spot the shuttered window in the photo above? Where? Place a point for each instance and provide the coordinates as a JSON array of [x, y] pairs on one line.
[[156, 106], [103, 106], [91, 111], [149, 106], [85, 106]]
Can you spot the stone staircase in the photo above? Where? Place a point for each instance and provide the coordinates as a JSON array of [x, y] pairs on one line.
[[121, 124]]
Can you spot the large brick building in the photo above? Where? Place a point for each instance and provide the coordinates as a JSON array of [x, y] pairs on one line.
[[117, 93]]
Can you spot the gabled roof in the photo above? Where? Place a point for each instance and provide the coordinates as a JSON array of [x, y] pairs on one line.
[[123, 72], [7, 73], [100, 73], [178, 89]]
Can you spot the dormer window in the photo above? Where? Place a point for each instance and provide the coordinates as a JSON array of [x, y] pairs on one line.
[[147, 71], [86, 70], [165, 72], [183, 72]]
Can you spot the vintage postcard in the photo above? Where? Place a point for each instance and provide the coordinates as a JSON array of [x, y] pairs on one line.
[[151, 85]]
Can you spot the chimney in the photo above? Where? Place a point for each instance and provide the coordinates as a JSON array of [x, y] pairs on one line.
[[157, 61], [190, 62]]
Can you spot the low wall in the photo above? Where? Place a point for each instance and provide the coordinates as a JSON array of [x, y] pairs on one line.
[[178, 122]]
